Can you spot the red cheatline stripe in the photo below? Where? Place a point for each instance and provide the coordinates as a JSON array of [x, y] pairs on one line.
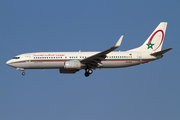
[[52, 61], [18, 62], [130, 60], [41, 61]]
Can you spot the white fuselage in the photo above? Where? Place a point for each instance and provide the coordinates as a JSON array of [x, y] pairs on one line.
[[56, 60]]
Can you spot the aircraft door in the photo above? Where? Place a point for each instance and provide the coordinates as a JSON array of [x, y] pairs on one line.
[[27, 56], [139, 57]]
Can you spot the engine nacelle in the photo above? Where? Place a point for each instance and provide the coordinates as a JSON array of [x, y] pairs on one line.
[[72, 65]]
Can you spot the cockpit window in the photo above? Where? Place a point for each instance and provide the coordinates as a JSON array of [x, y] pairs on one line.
[[16, 57]]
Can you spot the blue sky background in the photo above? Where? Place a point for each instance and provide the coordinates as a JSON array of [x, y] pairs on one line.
[[144, 92]]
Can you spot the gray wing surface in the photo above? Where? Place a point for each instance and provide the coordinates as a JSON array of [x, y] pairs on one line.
[[94, 60]]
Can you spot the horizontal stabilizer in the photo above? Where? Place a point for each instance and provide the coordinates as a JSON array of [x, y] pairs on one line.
[[161, 52]]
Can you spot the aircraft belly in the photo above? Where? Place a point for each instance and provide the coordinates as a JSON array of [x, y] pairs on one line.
[[21, 65], [46, 65], [118, 64]]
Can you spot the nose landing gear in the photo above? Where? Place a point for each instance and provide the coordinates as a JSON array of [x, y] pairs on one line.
[[23, 73], [22, 69], [88, 72]]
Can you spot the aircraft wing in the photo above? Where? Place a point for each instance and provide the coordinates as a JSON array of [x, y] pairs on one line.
[[94, 60]]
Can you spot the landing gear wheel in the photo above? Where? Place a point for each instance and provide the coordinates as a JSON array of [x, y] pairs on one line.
[[86, 74], [90, 71], [23, 73]]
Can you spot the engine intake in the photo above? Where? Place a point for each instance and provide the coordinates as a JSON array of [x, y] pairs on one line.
[[72, 65]]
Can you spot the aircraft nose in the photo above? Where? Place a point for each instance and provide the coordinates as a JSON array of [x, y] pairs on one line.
[[8, 62]]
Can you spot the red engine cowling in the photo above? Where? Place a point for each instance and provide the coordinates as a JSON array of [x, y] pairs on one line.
[[72, 65]]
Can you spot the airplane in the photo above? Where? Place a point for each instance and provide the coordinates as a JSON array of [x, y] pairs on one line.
[[71, 62]]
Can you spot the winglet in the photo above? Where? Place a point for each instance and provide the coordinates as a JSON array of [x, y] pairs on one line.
[[119, 42]]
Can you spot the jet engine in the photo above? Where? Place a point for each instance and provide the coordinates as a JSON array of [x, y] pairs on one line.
[[72, 65]]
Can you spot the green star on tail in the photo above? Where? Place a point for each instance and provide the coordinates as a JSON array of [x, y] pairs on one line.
[[150, 45]]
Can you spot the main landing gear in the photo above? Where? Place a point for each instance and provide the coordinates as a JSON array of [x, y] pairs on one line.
[[88, 72]]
